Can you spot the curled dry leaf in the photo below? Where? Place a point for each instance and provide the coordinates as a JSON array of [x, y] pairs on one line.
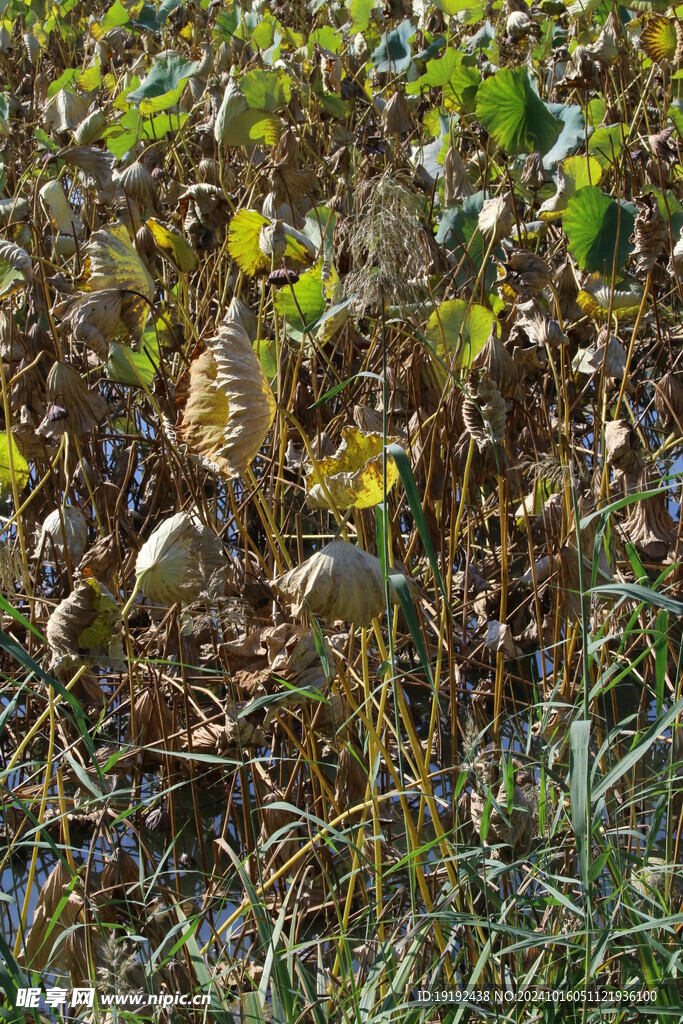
[[513, 829], [39, 945], [650, 525], [151, 724], [178, 560], [485, 414], [73, 407], [499, 638], [226, 403], [85, 628]]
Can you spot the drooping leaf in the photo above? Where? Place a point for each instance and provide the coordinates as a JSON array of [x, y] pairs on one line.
[[266, 90], [393, 53], [513, 113], [360, 11], [597, 226], [310, 300], [583, 171], [164, 83], [597, 297], [174, 246], [459, 232], [243, 243], [134, 368], [572, 135], [605, 144], [458, 81], [226, 404], [11, 462], [11, 278], [111, 262]]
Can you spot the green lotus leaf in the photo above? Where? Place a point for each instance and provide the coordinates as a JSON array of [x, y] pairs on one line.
[[514, 114], [597, 226]]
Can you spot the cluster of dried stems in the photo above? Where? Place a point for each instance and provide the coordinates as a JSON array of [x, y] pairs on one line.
[[227, 720]]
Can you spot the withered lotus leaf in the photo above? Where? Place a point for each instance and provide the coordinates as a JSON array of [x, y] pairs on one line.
[[227, 406], [85, 628], [341, 581], [353, 476], [178, 560], [48, 925], [112, 262]]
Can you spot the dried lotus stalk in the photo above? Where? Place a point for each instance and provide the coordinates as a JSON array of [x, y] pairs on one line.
[[227, 406]]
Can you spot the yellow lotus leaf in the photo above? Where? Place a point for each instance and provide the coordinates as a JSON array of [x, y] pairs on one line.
[[226, 403], [243, 244], [174, 246], [597, 298], [112, 262], [12, 464], [353, 475]]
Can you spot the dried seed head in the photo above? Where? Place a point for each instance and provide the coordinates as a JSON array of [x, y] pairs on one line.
[[385, 243]]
